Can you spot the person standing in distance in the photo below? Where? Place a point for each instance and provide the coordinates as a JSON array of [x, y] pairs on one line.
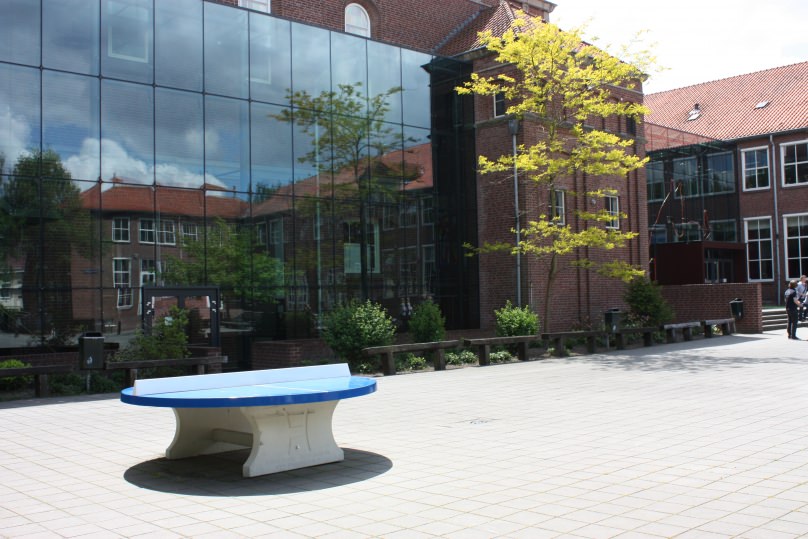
[[792, 306]]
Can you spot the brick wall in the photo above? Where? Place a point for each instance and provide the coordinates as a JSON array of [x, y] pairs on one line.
[[706, 301]]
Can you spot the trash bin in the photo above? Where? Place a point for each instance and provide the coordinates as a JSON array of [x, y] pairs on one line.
[[613, 319], [737, 308], [91, 350]]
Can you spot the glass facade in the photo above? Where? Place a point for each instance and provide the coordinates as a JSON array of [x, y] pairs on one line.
[[188, 143]]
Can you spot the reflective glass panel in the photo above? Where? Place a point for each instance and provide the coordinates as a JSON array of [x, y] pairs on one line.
[[70, 122], [19, 32], [127, 132], [311, 66], [19, 117], [270, 59], [179, 138], [178, 44], [349, 61], [227, 147], [385, 78], [226, 51], [272, 162], [127, 43], [70, 35], [415, 93]]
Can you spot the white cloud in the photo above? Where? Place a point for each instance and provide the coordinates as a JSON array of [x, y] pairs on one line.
[[118, 163], [14, 135], [697, 41]]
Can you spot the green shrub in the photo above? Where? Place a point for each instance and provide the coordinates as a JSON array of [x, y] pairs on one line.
[[410, 362], [647, 307], [500, 357], [427, 323], [464, 357], [13, 383], [168, 339], [512, 321], [350, 328]]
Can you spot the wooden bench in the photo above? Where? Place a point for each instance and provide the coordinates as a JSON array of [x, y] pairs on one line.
[[387, 353], [727, 326], [40, 374], [558, 340], [484, 346], [204, 364], [686, 329], [283, 415], [647, 336]]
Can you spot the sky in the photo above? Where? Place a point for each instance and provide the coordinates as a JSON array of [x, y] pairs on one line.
[[695, 41]]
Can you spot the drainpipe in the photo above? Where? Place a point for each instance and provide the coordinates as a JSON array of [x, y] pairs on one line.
[[513, 127], [775, 185]]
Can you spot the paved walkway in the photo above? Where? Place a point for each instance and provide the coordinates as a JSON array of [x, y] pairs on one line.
[[701, 439]]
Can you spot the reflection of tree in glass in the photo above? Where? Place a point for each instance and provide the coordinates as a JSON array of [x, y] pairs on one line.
[[229, 259], [348, 133], [42, 222]]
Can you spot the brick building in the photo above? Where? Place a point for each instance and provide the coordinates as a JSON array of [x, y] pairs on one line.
[[132, 128], [728, 180]]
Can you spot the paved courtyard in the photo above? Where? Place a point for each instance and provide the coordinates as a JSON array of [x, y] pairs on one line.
[[701, 439]]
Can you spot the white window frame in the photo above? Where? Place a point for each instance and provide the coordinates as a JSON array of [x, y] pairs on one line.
[[122, 281], [611, 203], [148, 271], [757, 169], [166, 233], [260, 47], [120, 233], [357, 20], [148, 229], [264, 6], [797, 164], [759, 261], [802, 223], [500, 109], [121, 13], [558, 207], [190, 231]]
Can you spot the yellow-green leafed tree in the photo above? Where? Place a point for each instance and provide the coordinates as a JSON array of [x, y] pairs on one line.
[[556, 82]]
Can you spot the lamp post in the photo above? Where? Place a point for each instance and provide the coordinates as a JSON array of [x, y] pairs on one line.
[[513, 129]]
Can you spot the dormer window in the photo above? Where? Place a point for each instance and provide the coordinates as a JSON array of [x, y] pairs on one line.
[[357, 20]]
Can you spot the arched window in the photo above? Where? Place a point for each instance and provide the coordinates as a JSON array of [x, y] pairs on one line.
[[357, 20]]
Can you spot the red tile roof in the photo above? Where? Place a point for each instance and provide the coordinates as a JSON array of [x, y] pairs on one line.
[[171, 200], [496, 19], [727, 107]]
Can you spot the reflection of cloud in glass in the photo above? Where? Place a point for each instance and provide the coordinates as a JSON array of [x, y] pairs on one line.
[[14, 137], [130, 169]]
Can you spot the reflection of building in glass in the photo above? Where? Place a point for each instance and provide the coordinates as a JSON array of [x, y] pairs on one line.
[[268, 149]]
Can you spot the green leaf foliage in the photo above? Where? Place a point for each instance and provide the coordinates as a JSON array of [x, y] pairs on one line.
[[13, 383], [167, 340], [512, 321], [647, 307], [350, 328], [427, 323]]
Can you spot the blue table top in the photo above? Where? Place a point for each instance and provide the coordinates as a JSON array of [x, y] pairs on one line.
[[281, 393]]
